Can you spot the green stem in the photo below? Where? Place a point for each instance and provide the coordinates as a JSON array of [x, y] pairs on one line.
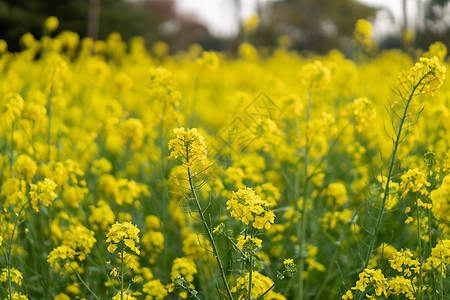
[[301, 227], [84, 283], [11, 149], [9, 257], [250, 275], [121, 272], [419, 250], [209, 233], [49, 115], [269, 289], [389, 177]]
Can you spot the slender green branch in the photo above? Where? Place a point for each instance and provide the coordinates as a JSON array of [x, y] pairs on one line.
[[209, 233], [84, 283], [49, 115], [121, 272], [301, 226], [11, 149], [419, 237], [250, 274], [389, 178], [9, 256]]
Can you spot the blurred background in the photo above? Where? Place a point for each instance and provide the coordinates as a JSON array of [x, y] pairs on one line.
[[312, 25]]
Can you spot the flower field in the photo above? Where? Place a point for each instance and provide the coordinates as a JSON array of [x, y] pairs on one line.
[[128, 173]]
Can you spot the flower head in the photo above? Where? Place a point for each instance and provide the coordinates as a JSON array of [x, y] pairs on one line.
[[125, 234], [246, 206], [425, 77], [189, 146]]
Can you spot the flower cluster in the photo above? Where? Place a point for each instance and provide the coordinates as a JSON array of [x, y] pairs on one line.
[[363, 32], [374, 277], [246, 206], [415, 181], [260, 284], [425, 77], [123, 234], [189, 146], [403, 261], [43, 192]]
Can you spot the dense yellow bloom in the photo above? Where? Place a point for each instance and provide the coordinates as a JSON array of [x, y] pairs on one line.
[[43, 192], [363, 111], [189, 146], [260, 284], [251, 24], [403, 261], [248, 243], [315, 75], [401, 285], [154, 290], [79, 237], [101, 166], [440, 258], [51, 23], [246, 206], [11, 108], [335, 194], [374, 277], [126, 296], [25, 167], [183, 267], [363, 32], [124, 234], [331, 219], [132, 129], [439, 197], [415, 181], [426, 76], [153, 242], [19, 296], [59, 256], [102, 215], [16, 275]]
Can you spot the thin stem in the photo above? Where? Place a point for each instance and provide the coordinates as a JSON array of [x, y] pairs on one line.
[[250, 275], [210, 236], [121, 272], [11, 149], [419, 250], [84, 283], [269, 289], [49, 115], [389, 177], [9, 257], [301, 227]]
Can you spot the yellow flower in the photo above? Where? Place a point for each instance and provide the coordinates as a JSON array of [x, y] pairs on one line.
[[189, 146], [425, 77], [415, 181], [363, 32], [51, 23], [124, 234], [43, 192], [154, 290], [183, 267], [16, 275], [246, 206], [248, 243], [348, 295], [59, 255]]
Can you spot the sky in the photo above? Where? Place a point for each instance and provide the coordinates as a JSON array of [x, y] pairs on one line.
[[220, 16]]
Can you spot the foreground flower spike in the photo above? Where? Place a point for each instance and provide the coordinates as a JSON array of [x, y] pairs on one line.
[[189, 146], [125, 233], [425, 77], [246, 206]]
